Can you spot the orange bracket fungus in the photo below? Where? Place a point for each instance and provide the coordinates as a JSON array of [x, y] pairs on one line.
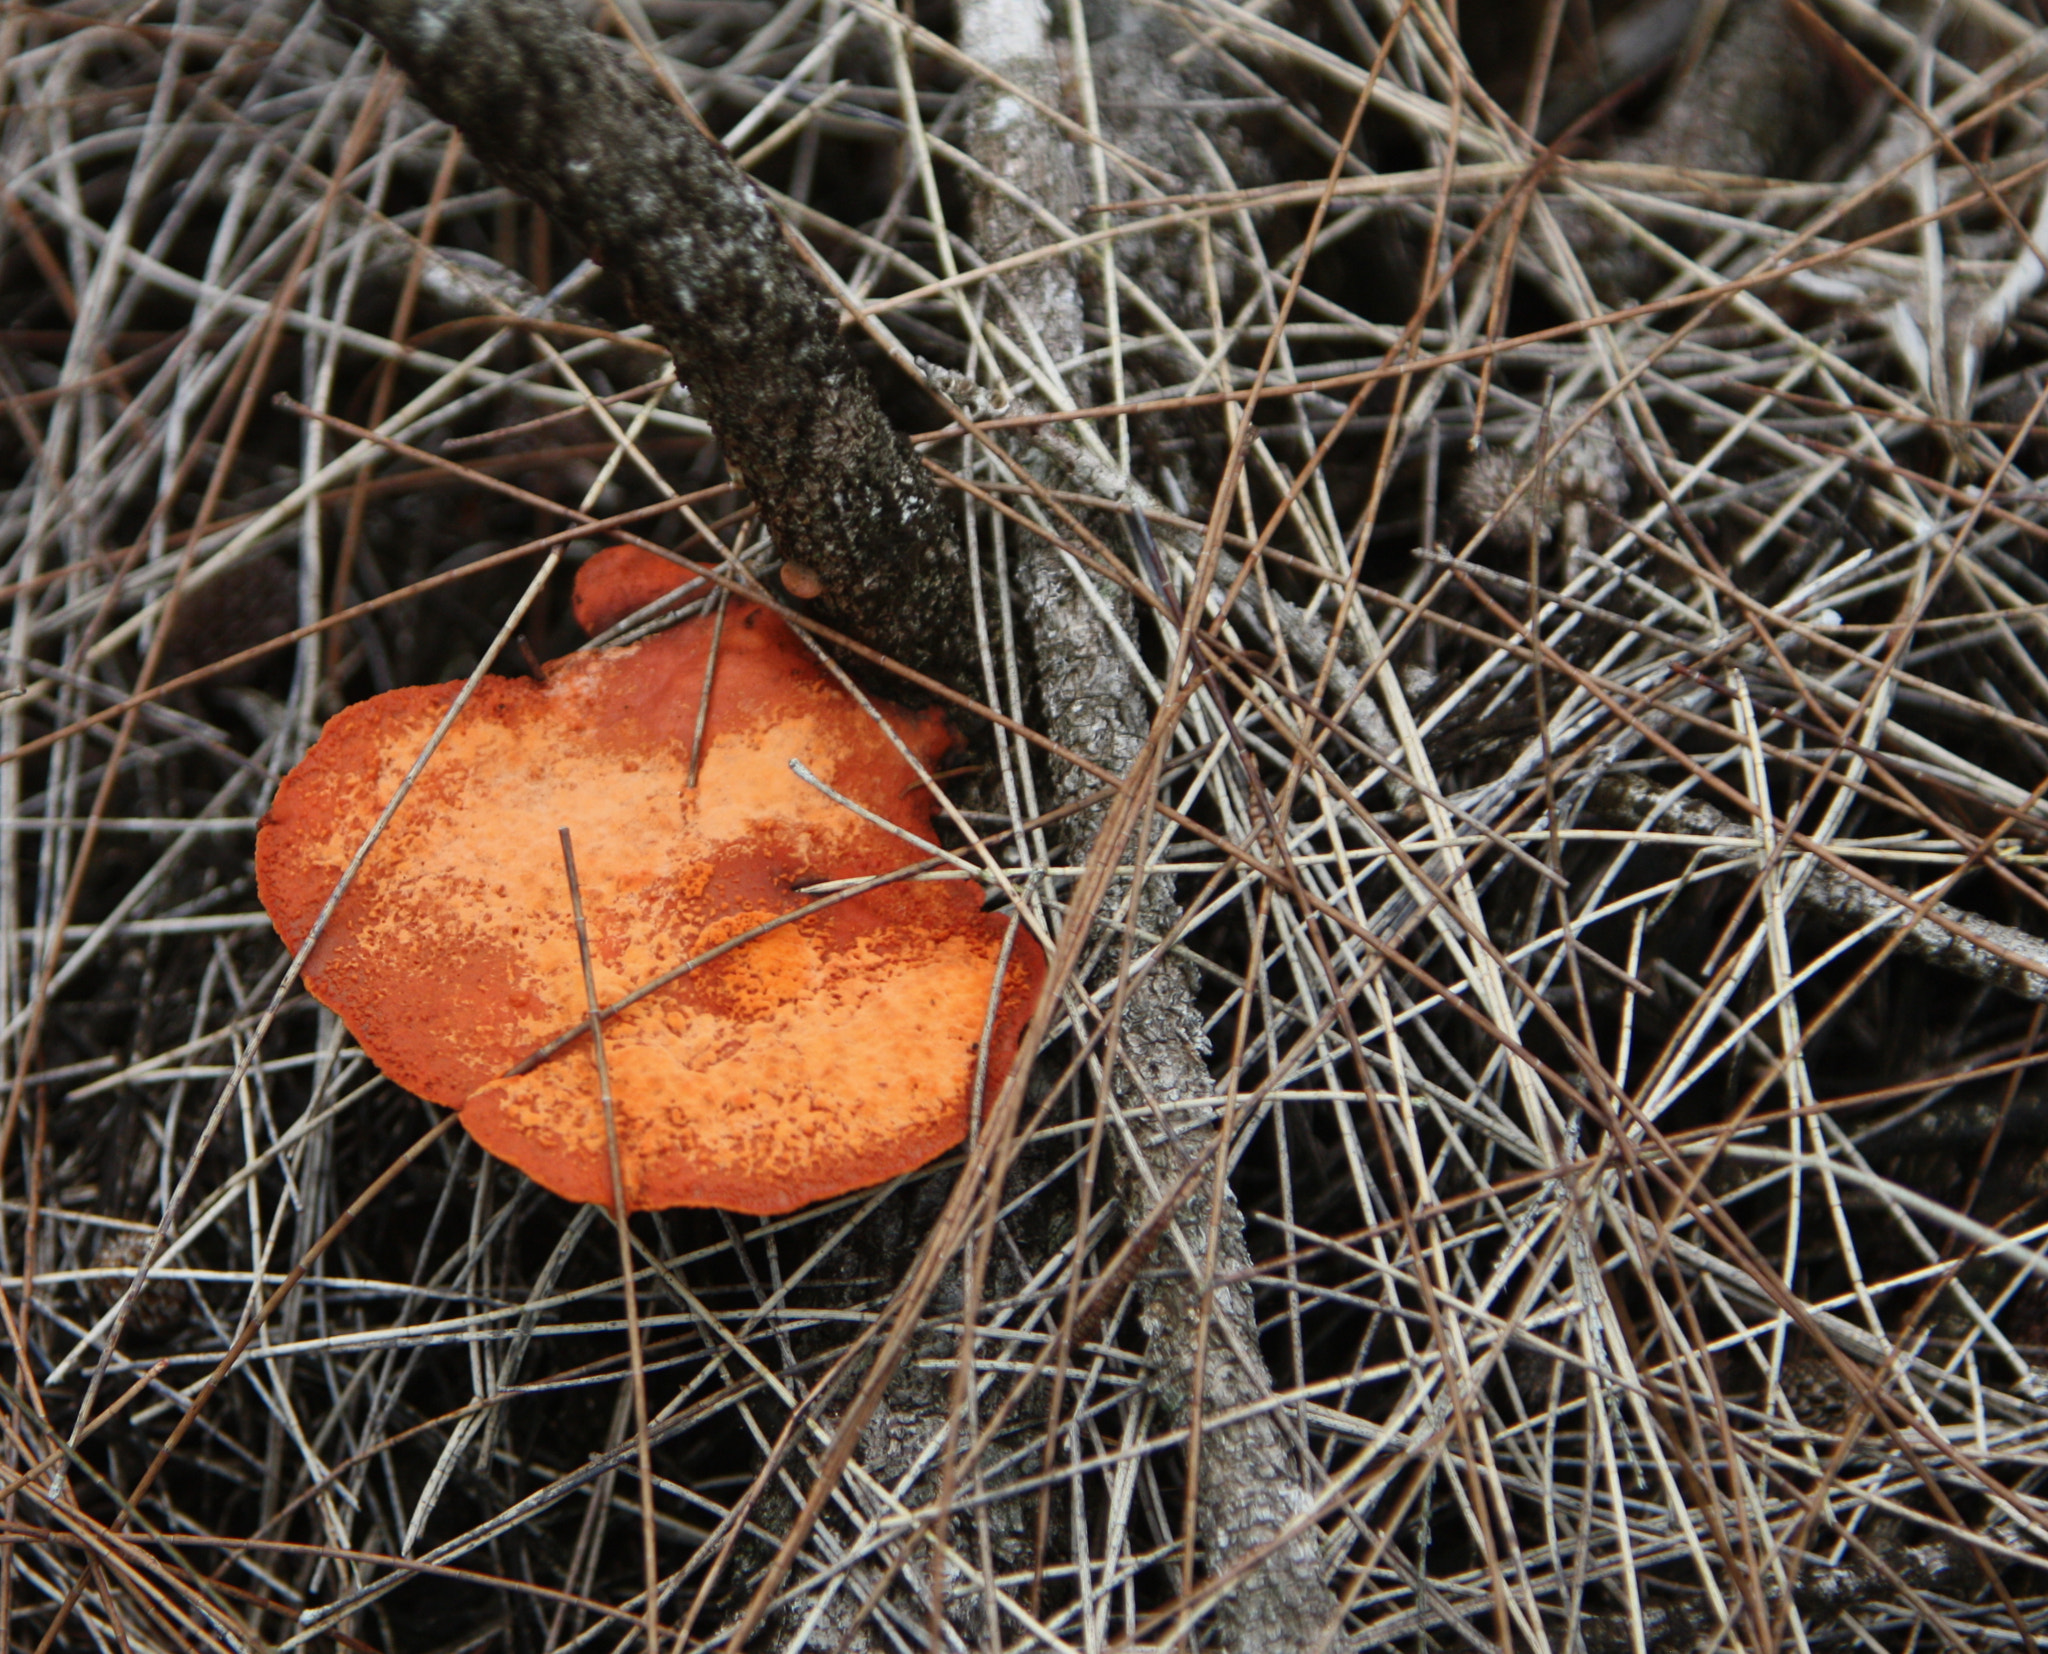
[[777, 1048]]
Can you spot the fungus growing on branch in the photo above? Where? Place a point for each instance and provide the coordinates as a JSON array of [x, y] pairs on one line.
[[818, 1055]]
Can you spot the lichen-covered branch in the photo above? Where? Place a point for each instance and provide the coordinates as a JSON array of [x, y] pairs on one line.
[[1202, 1331], [556, 114]]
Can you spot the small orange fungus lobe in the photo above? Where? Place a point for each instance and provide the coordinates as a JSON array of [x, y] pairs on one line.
[[824, 1054], [801, 581], [619, 581]]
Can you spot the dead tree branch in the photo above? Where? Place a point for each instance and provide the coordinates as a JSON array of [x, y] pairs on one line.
[[1945, 936], [554, 114], [1203, 1335]]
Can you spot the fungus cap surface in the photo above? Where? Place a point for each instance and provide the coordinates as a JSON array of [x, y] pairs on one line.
[[830, 1053], [619, 581]]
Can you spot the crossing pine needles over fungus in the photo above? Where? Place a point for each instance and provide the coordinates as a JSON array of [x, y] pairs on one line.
[[620, 581], [826, 1054]]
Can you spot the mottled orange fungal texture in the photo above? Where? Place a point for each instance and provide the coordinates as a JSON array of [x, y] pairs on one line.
[[826, 1055]]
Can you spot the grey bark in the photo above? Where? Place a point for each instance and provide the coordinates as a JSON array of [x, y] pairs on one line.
[[555, 114], [1249, 1487], [1202, 1348]]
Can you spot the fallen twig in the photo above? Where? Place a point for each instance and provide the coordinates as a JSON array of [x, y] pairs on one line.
[[1945, 936], [556, 114]]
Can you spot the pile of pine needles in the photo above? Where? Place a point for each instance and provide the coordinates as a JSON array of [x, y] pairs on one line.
[[1562, 478]]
